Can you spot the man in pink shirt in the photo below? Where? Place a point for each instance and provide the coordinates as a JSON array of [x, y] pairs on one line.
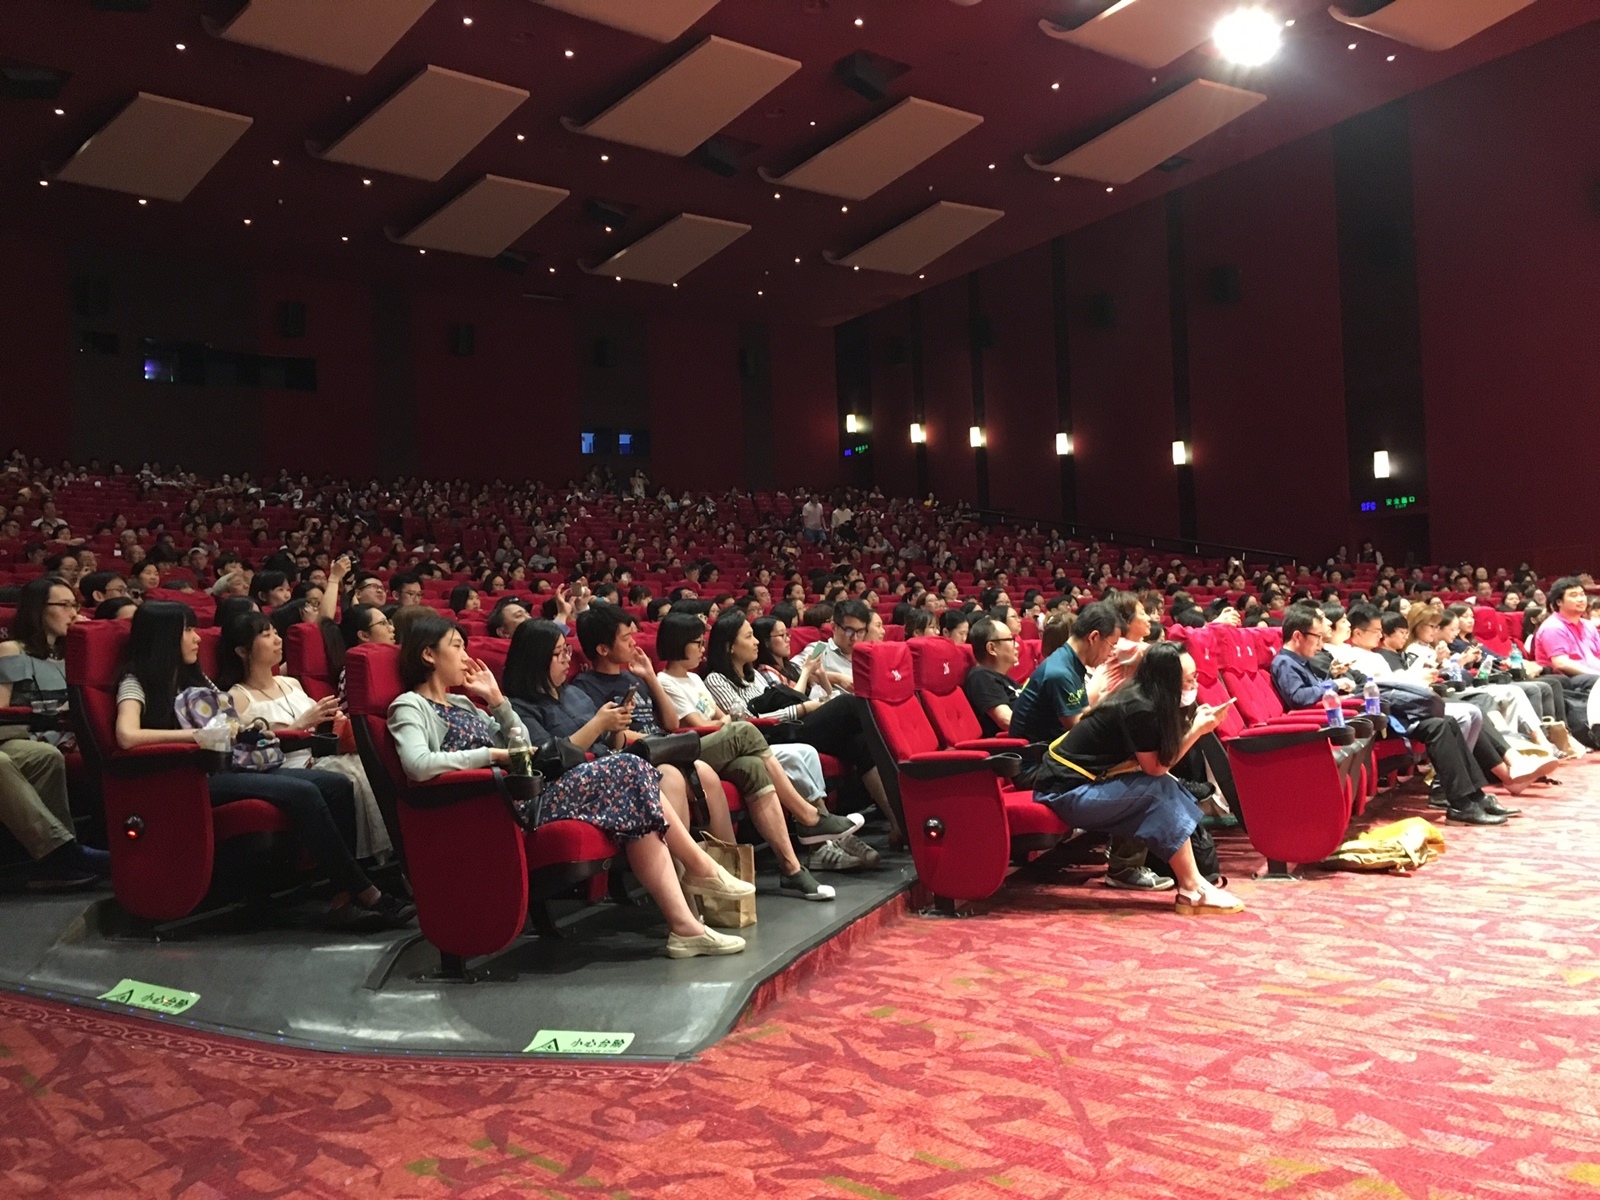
[[1568, 645]]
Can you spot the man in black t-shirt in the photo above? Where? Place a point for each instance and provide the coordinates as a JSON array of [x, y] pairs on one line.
[[990, 690]]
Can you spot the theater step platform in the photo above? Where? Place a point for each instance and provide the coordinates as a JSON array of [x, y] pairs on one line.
[[607, 988]]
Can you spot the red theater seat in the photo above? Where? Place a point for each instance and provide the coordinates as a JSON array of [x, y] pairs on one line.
[[940, 669], [472, 868], [163, 831], [305, 657], [963, 824]]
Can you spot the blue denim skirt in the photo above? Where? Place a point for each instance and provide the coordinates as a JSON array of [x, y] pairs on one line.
[[1154, 808]]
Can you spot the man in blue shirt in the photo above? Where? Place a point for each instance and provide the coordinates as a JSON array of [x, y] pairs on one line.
[[1057, 693]]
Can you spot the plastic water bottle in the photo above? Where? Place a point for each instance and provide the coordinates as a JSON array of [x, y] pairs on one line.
[[1331, 708], [521, 753], [1369, 698], [1514, 660]]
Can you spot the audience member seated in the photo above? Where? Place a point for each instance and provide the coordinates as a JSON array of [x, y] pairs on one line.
[[1567, 643], [1111, 771], [990, 689], [954, 625], [162, 660], [33, 667], [437, 731], [101, 586], [249, 653], [1057, 693], [505, 616], [464, 598]]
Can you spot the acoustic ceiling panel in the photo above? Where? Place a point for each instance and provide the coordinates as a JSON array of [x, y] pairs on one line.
[[1432, 24], [156, 148], [691, 100], [428, 126], [1149, 33], [486, 218], [1151, 136], [672, 251], [881, 151], [912, 245], [352, 35], [660, 20]]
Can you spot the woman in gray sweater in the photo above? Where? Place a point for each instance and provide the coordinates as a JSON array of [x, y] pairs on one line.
[[436, 731]]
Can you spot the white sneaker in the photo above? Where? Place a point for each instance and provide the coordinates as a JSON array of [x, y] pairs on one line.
[[723, 883], [710, 942]]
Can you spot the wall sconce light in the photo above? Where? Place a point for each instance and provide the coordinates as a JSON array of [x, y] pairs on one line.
[[1380, 464], [1063, 444], [1180, 454], [976, 437], [919, 435]]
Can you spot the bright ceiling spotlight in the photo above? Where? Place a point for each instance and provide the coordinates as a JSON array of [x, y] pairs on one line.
[[1248, 36]]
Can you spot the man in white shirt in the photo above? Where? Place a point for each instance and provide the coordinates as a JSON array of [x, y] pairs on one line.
[[811, 521], [825, 667]]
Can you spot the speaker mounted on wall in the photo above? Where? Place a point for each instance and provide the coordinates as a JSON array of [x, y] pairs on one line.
[[292, 319], [463, 340]]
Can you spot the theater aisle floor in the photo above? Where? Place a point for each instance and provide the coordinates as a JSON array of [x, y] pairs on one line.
[[1355, 1036]]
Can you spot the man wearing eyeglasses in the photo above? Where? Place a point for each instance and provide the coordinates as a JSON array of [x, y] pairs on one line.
[[990, 690], [851, 621]]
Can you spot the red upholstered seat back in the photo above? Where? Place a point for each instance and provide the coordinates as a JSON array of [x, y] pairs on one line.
[[1240, 674], [1513, 622], [210, 643], [1489, 627], [94, 667], [1201, 645], [940, 668], [802, 636], [1029, 655], [305, 657], [493, 651], [885, 678]]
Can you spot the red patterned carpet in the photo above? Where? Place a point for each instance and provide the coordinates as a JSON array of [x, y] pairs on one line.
[[1352, 1037]]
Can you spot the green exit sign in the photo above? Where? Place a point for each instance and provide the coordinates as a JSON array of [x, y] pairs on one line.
[[1399, 501]]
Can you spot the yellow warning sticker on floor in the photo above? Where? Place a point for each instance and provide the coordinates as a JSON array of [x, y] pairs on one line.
[[150, 996], [577, 1041]]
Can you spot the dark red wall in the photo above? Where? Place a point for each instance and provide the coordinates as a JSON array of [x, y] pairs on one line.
[[1266, 374], [696, 405], [35, 384], [804, 407], [1505, 163], [947, 397], [1019, 385]]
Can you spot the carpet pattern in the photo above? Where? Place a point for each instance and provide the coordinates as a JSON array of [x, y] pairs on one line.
[[1352, 1036]]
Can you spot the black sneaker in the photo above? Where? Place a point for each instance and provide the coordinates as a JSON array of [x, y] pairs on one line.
[[1139, 879], [384, 914]]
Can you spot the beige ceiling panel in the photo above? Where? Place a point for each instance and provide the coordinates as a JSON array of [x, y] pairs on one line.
[[672, 251], [881, 151], [352, 35], [428, 126], [693, 99], [486, 218], [912, 245], [1151, 136], [156, 148], [1148, 33], [660, 20], [1433, 24]]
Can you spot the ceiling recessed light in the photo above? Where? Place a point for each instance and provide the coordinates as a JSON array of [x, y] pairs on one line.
[[46, 183], [761, 293], [61, 112], [1248, 37], [344, 239], [181, 46], [855, 268], [605, 158], [144, 201], [58, 110], [1351, 46], [421, 251], [844, 208], [366, 183], [1391, 58], [1056, 179], [859, 22], [552, 270], [608, 229], [921, 276], [797, 261], [275, 162], [1055, 87], [247, 220], [777, 195], [991, 166], [1111, 189], [674, 285], [569, 53], [1289, 24], [466, 20], [619, 278]]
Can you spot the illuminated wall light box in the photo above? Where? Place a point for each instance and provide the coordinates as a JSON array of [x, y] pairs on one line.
[[976, 437], [855, 424], [1180, 454], [919, 435], [1063, 444], [1380, 464]]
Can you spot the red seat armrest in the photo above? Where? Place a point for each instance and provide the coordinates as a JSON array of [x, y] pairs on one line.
[[992, 745], [452, 788]]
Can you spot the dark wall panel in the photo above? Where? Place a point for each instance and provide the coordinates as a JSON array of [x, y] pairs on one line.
[[1020, 387], [895, 459], [805, 431], [1271, 360], [948, 366], [35, 345], [1506, 162], [1122, 374], [696, 404]]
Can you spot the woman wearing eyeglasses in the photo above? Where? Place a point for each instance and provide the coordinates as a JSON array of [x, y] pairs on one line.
[[33, 665]]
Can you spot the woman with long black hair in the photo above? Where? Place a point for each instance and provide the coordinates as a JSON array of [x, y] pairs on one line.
[[162, 659], [1111, 771]]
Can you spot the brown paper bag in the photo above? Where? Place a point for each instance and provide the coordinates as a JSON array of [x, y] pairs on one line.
[[729, 912]]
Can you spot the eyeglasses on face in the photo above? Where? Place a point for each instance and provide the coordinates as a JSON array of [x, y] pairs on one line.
[[853, 631], [72, 604]]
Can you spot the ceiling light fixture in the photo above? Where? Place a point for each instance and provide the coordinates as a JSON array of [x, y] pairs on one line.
[[552, 270], [921, 276], [275, 162], [344, 239], [1055, 179], [777, 195], [1111, 189], [991, 166], [1351, 46], [466, 20], [522, 137], [181, 46], [143, 202], [1391, 58], [857, 268], [674, 285], [1055, 87], [421, 251], [605, 158], [569, 53], [247, 220], [61, 112], [46, 183], [859, 22], [761, 293], [608, 230], [844, 208], [1289, 24], [797, 261], [366, 183], [1248, 37]]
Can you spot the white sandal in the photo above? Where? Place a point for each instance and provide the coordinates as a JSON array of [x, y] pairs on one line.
[[1209, 901]]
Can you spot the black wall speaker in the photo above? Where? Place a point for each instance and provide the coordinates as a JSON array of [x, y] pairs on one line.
[[1100, 310], [510, 260], [861, 75], [292, 319], [463, 340], [605, 354], [719, 156], [1224, 284], [18, 82], [91, 296]]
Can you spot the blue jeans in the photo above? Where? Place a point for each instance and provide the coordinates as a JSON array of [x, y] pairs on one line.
[[1157, 809]]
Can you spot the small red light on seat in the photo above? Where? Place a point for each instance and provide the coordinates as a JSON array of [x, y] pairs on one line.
[[933, 829], [133, 828]]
